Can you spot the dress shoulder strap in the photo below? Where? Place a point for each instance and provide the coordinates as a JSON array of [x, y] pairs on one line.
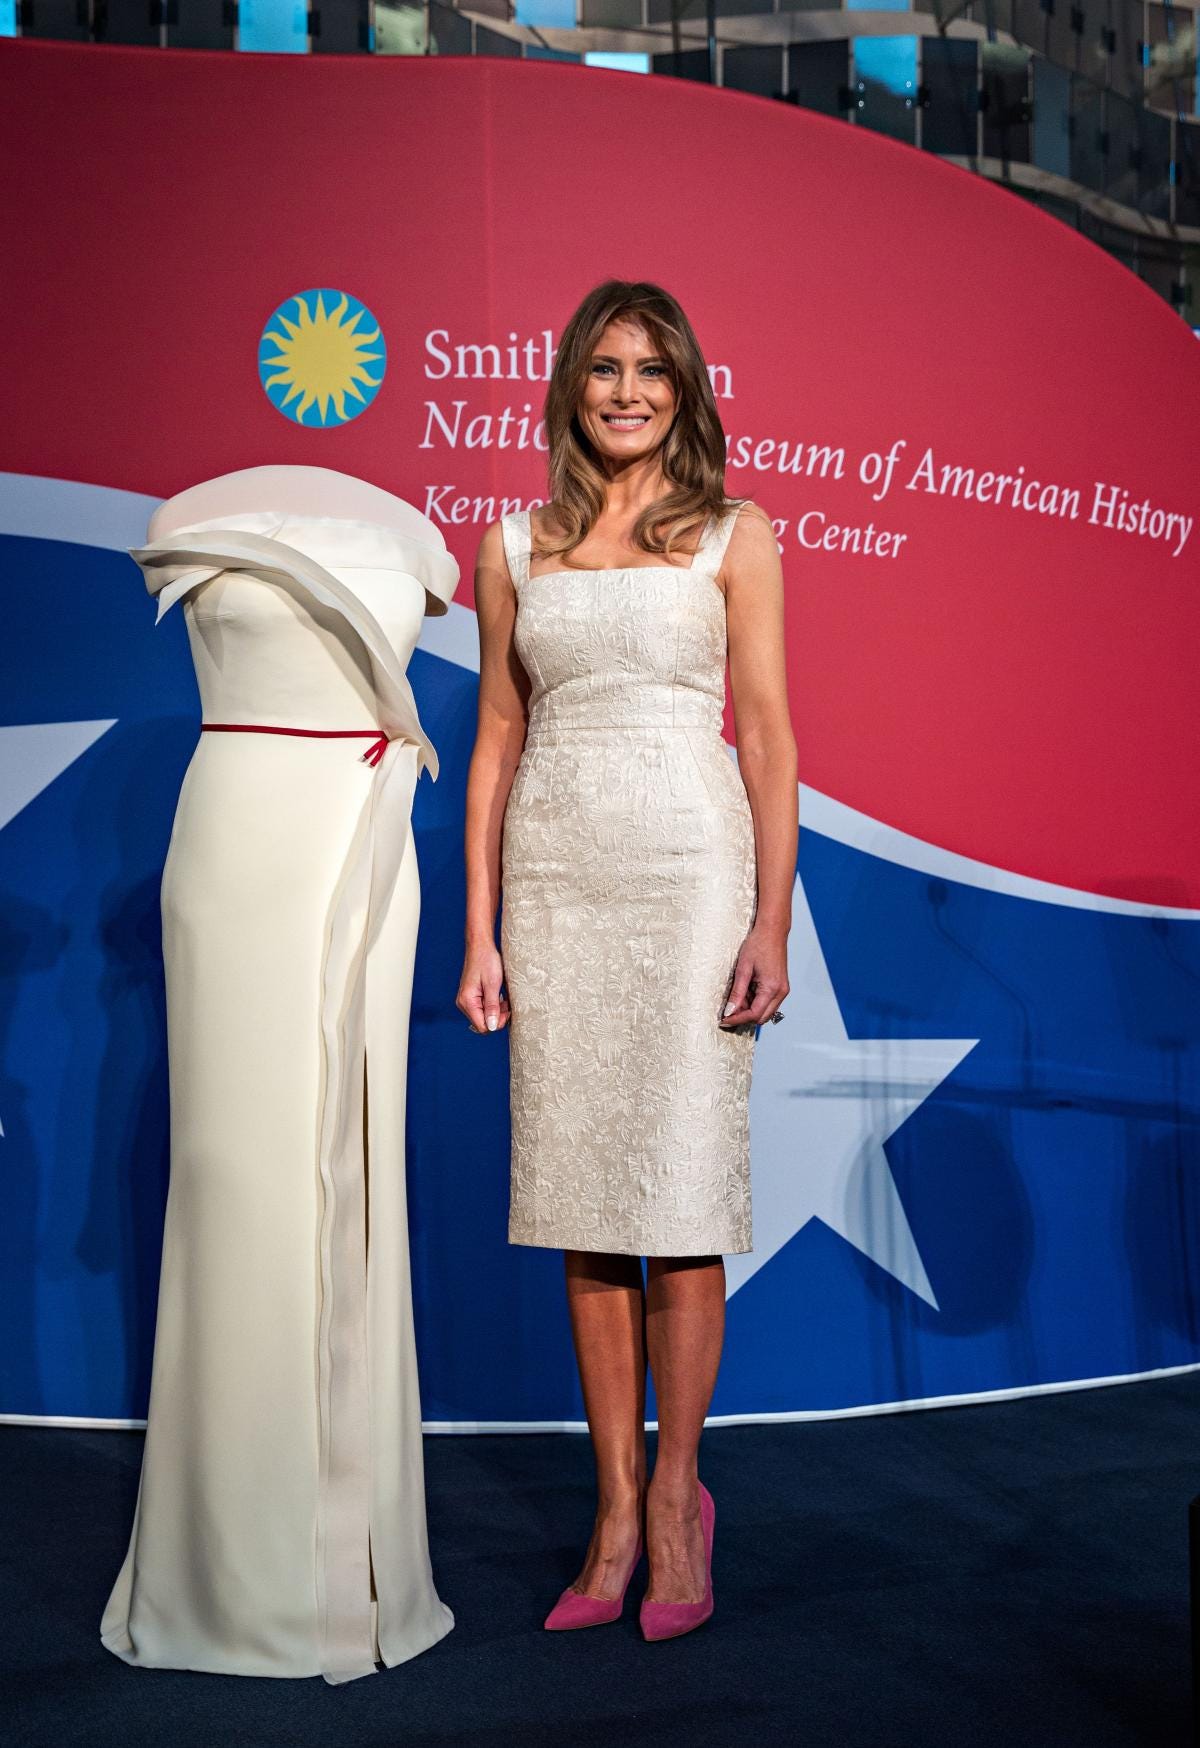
[[715, 539], [517, 545]]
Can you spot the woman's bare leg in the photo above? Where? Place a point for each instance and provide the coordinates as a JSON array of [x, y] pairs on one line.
[[606, 1299], [685, 1329]]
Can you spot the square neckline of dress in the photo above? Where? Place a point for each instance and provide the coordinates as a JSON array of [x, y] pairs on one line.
[[611, 570]]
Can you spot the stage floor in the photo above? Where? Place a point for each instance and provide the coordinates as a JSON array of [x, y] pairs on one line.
[[1010, 1575]]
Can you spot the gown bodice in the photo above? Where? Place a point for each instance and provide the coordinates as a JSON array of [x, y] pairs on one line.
[[304, 621], [640, 646], [266, 651]]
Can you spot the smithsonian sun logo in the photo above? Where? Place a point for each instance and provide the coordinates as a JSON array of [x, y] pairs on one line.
[[321, 358]]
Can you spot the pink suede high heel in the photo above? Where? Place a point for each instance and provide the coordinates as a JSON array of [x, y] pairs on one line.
[[573, 1609], [667, 1620]]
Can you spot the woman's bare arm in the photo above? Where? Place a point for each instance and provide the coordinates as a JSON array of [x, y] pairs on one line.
[[767, 758], [499, 740]]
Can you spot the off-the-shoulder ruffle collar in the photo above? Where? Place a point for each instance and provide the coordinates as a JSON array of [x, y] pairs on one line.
[[334, 542]]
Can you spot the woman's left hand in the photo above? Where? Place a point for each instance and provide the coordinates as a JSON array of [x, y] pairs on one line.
[[760, 980]]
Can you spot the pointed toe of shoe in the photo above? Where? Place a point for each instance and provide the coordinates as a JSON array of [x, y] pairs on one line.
[[574, 1610]]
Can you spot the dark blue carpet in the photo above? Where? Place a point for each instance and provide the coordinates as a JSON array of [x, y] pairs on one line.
[[1011, 1575]]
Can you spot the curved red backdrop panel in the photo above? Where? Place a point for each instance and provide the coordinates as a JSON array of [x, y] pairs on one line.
[[1010, 679]]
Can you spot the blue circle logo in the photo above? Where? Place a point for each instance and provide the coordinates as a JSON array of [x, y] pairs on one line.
[[321, 358]]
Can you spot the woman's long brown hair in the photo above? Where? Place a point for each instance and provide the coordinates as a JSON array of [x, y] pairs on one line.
[[693, 451]]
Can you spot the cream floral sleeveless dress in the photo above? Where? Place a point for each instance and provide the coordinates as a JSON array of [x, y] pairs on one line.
[[628, 886]]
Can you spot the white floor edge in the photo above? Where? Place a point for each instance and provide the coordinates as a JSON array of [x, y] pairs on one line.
[[90, 1423]]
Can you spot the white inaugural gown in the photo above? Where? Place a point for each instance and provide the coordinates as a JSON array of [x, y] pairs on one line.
[[280, 1523]]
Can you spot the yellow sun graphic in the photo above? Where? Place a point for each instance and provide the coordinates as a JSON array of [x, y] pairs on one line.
[[322, 350]]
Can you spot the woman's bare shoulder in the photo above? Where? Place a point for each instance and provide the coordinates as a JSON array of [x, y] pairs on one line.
[[753, 549], [491, 544], [749, 511], [491, 561]]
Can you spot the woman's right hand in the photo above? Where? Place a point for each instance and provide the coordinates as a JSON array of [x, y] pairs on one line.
[[480, 994]]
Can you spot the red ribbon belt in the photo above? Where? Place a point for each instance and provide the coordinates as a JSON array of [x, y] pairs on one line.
[[373, 755]]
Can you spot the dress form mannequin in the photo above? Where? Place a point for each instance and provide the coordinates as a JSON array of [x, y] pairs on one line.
[[280, 1524]]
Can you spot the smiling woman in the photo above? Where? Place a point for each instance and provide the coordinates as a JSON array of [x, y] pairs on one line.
[[646, 901]]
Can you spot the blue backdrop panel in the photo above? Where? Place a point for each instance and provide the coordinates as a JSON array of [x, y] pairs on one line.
[[1045, 1185]]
